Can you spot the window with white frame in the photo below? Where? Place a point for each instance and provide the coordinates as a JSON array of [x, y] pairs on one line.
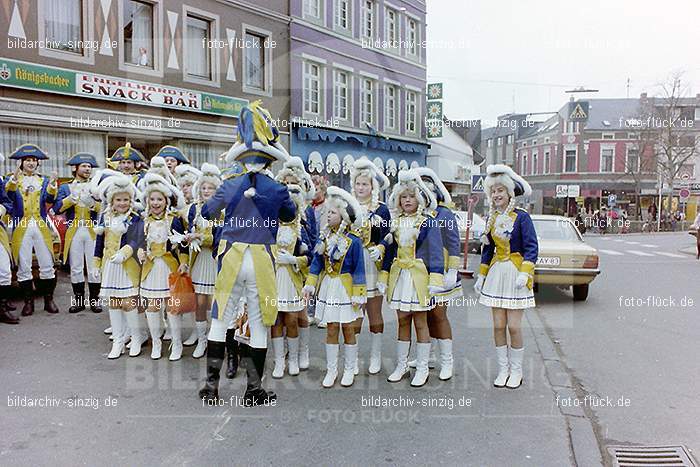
[[62, 23], [632, 162], [570, 160], [341, 15], [509, 139], [499, 142], [534, 163], [257, 75], [607, 159], [489, 143], [312, 88], [368, 19], [391, 99], [341, 95], [571, 127], [311, 9], [545, 167], [198, 54], [697, 113], [367, 101], [412, 37], [391, 27], [608, 135], [411, 112], [523, 169], [138, 29]]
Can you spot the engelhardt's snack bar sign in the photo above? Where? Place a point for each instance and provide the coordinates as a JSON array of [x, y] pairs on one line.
[[58, 80]]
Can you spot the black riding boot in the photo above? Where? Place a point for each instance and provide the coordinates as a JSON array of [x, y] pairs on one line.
[[28, 294], [6, 315], [94, 288], [215, 358], [254, 362], [47, 288], [231, 354], [79, 295]]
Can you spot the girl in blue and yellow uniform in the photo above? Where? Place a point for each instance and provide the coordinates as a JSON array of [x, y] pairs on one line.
[[337, 277], [75, 201], [368, 183], [507, 271], [119, 235], [412, 270], [202, 262], [164, 232], [29, 193], [439, 325]]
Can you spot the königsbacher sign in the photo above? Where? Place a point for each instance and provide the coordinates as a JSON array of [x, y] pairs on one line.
[[24, 75]]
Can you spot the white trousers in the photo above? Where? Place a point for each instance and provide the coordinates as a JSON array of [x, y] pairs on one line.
[[5, 267], [245, 286], [33, 240], [82, 252]]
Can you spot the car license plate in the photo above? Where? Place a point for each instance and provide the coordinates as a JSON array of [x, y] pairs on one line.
[[548, 261]]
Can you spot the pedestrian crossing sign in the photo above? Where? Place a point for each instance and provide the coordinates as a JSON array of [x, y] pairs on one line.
[[478, 183]]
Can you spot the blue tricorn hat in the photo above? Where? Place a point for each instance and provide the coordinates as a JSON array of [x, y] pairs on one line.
[[174, 152], [82, 158], [29, 150], [127, 153]]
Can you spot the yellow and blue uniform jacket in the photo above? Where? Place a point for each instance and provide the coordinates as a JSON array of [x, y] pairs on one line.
[[350, 266], [109, 242], [76, 216]]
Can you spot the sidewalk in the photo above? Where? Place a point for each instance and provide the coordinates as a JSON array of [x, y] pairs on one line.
[[158, 418]]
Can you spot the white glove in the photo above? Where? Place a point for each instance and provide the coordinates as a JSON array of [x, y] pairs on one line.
[[381, 288], [118, 258], [284, 257], [521, 280], [176, 237], [250, 192], [479, 283], [434, 289], [308, 290], [451, 279], [374, 253], [86, 199], [358, 300], [73, 197], [194, 246]]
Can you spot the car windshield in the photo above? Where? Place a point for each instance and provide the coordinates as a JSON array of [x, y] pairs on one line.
[[555, 229]]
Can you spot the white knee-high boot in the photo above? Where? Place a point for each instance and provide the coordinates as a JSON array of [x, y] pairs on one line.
[[117, 321], [516, 368], [446, 360], [401, 370], [422, 371], [176, 333], [293, 354], [502, 356], [303, 348], [432, 359], [154, 326], [331, 365], [350, 364], [138, 334], [278, 348], [194, 334], [375, 354], [201, 328]]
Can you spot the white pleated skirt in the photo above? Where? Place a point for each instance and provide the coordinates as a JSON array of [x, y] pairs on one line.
[[288, 300], [333, 304], [116, 282], [405, 297], [204, 272], [371, 275], [444, 298], [499, 289], [155, 285]]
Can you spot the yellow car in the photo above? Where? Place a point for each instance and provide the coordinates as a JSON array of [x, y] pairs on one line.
[[564, 258]]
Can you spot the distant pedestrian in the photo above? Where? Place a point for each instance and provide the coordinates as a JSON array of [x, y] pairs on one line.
[[696, 226]]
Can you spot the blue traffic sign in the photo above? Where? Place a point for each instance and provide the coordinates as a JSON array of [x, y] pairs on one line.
[[478, 183]]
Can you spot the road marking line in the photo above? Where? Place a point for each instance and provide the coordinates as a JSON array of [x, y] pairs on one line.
[[639, 253], [632, 243], [610, 252], [672, 255], [648, 245], [618, 240]]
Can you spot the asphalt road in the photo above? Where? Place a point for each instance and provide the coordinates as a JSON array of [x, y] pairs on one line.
[[634, 342]]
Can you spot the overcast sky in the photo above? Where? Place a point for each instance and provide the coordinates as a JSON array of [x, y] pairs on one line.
[[500, 56]]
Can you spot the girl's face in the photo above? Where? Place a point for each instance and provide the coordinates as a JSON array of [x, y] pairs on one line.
[[500, 197], [333, 217], [156, 202], [83, 171], [408, 202], [187, 191], [363, 188], [126, 166], [290, 180], [206, 191], [29, 164], [121, 202], [171, 163]]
